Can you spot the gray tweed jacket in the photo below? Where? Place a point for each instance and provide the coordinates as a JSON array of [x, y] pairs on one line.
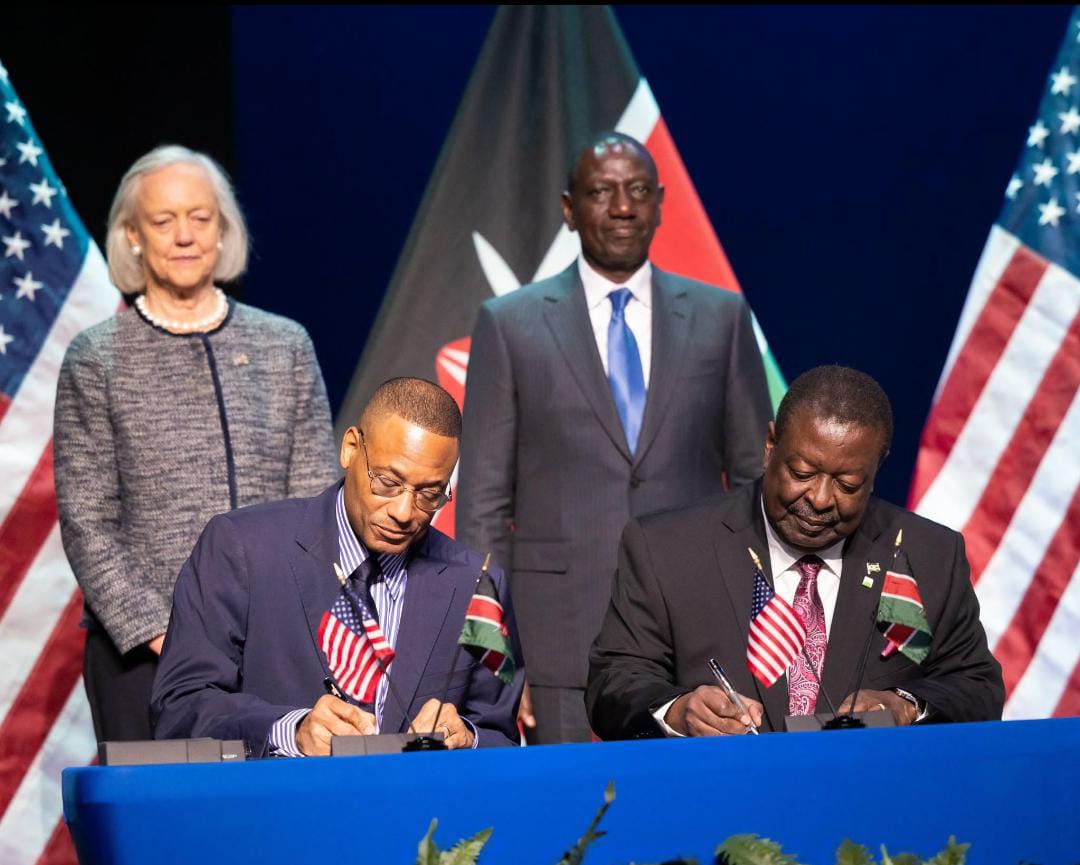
[[155, 433]]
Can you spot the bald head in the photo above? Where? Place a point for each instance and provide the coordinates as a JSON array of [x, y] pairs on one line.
[[417, 401], [600, 146]]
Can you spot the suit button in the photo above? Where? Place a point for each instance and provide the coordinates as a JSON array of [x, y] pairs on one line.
[[635, 482]]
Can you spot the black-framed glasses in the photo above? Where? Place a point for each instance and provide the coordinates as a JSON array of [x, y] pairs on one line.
[[428, 501]]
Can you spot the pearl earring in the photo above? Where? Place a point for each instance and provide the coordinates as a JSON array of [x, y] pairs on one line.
[[136, 250], [220, 246]]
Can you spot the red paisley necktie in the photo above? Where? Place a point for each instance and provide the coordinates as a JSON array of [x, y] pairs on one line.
[[802, 684]]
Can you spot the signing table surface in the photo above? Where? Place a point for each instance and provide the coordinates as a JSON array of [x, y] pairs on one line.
[[1009, 788]]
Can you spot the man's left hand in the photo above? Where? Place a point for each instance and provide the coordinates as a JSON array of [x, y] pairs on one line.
[[903, 711], [456, 732]]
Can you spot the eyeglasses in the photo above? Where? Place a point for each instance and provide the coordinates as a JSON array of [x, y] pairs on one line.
[[428, 501]]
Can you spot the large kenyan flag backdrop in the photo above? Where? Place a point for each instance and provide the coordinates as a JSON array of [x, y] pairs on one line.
[[547, 79]]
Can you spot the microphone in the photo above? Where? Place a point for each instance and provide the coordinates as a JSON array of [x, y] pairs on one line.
[[849, 720], [442, 702], [820, 688], [457, 654]]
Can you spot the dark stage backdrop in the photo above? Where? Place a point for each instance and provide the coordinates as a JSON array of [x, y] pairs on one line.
[[852, 159]]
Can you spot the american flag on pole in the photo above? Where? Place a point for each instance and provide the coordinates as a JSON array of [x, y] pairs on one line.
[[1000, 454], [354, 645], [777, 634], [53, 284]]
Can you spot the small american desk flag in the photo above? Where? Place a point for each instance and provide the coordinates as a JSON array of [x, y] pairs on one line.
[[777, 634], [354, 644], [999, 459], [53, 284]]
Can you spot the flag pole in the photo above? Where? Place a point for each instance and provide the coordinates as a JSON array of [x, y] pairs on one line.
[[457, 652]]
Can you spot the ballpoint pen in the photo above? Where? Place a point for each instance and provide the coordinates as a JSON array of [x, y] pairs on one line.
[[732, 694]]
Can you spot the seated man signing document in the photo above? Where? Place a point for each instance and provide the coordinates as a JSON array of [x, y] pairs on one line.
[[265, 644], [789, 583]]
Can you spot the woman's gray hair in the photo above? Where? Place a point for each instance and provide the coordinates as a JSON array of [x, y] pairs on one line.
[[125, 269]]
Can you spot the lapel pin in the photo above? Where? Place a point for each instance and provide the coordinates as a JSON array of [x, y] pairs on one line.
[[871, 568], [754, 558], [240, 360]]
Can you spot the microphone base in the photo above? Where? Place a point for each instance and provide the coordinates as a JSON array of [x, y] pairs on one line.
[[829, 721], [424, 742], [844, 722], [384, 743]]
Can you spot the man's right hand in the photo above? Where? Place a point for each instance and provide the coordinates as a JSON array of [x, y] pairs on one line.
[[707, 711], [525, 717], [331, 717]]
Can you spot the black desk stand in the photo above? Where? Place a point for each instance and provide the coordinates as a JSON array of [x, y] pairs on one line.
[[829, 721]]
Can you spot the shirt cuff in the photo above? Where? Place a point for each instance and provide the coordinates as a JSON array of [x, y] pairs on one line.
[[475, 735], [922, 708], [282, 739], [658, 716]]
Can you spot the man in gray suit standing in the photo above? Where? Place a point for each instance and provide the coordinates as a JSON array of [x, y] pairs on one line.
[[608, 391]]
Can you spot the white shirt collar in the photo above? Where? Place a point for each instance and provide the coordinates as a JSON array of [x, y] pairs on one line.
[[782, 555], [598, 287]]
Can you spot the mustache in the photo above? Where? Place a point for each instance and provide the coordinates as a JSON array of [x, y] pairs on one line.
[[806, 512]]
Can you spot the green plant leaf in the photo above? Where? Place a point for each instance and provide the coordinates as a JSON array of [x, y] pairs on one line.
[[850, 853], [899, 858], [576, 854], [428, 853], [466, 851], [752, 850], [953, 854]]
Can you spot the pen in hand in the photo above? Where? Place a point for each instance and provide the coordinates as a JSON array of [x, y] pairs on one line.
[[732, 694], [332, 689]]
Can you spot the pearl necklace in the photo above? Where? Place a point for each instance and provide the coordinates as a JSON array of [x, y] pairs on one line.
[[202, 324]]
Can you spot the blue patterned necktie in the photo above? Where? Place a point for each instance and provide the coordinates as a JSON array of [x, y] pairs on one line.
[[624, 368]]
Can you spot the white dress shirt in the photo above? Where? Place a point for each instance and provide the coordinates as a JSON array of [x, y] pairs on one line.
[[638, 313], [786, 576]]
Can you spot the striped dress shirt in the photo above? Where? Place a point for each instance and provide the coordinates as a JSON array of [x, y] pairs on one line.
[[388, 595]]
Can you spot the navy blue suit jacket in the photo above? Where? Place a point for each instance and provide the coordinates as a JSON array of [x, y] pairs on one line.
[[241, 649]]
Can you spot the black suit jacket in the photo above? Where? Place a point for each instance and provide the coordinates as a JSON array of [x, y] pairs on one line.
[[547, 481], [683, 595], [242, 647]]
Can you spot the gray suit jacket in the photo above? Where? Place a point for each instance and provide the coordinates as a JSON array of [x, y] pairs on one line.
[[683, 595], [547, 481]]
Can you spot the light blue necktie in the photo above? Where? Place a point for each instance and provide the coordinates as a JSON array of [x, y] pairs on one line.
[[624, 368]]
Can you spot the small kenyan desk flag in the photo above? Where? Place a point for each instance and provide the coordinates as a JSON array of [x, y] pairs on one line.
[[900, 613], [485, 635]]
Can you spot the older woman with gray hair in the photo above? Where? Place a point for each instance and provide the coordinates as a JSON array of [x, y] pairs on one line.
[[181, 407]]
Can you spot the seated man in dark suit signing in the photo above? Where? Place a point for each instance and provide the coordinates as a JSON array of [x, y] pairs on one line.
[[251, 651], [688, 585]]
